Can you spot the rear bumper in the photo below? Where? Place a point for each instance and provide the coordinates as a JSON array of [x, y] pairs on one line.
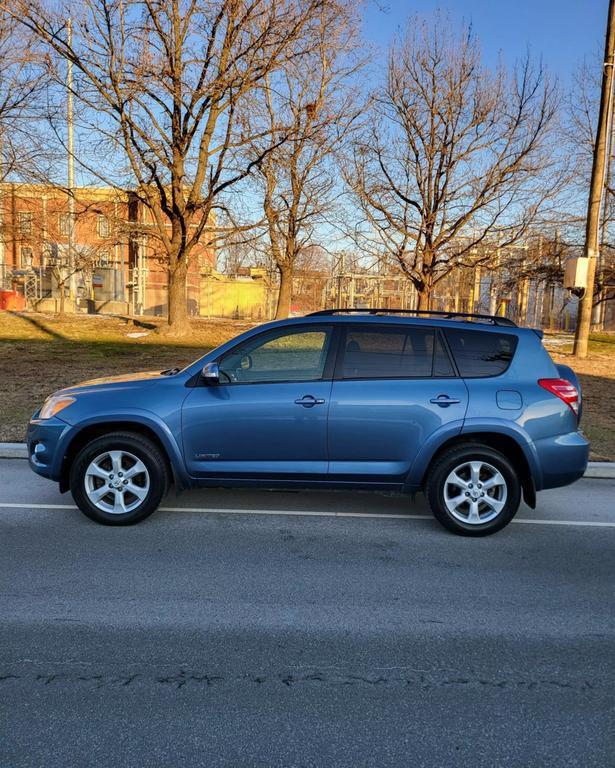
[[42, 440], [563, 459]]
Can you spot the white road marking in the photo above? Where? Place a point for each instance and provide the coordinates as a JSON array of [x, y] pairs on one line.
[[578, 523], [317, 513], [297, 512], [37, 506]]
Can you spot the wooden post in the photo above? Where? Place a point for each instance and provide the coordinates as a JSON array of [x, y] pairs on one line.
[[592, 229]]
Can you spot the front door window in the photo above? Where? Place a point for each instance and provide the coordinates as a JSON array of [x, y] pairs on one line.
[[280, 356]]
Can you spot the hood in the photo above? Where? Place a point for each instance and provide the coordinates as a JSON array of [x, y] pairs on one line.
[[124, 378]]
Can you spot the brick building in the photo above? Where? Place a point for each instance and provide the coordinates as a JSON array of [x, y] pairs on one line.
[[118, 263]]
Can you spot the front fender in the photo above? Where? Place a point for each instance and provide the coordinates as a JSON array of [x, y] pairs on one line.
[[126, 416]]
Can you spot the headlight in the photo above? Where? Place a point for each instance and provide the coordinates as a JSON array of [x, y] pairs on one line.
[[53, 405]]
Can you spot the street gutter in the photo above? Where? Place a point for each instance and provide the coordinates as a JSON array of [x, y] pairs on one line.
[[595, 469]]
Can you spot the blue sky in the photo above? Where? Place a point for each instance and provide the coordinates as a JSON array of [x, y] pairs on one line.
[[562, 31]]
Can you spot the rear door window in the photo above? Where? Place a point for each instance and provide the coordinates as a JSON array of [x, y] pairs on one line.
[[393, 353], [481, 353]]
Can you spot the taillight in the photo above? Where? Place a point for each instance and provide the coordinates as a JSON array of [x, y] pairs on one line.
[[563, 389]]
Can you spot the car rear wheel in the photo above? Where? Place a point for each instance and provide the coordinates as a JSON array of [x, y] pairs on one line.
[[473, 490], [118, 479]]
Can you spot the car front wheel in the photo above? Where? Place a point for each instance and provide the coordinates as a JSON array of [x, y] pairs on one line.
[[473, 490], [119, 478]]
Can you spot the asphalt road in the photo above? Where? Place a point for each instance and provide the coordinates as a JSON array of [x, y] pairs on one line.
[[210, 637]]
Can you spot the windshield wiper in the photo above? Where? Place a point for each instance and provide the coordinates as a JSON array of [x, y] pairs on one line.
[[170, 372]]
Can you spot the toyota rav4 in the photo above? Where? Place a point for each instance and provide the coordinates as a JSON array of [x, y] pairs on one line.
[[469, 409]]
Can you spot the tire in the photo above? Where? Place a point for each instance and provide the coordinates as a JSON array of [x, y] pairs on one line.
[[131, 468], [456, 501]]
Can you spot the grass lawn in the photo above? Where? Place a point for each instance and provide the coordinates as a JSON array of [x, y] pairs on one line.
[[597, 375], [42, 353]]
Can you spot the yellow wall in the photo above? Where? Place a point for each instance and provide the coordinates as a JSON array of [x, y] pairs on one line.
[[226, 297]]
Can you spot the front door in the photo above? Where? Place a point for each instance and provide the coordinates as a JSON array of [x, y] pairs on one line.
[[395, 386], [268, 414]]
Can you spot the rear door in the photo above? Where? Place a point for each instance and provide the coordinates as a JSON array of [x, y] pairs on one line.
[[394, 386]]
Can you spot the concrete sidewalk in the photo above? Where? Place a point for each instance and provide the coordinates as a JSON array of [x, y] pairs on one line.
[[598, 469]]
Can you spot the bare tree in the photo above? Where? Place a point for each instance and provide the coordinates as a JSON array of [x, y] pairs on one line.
[[454, 154], [163, 81], [605, 280], [315, 103], [240, 250], [582, 107], [83, 261], [22, 82], [580, 137]]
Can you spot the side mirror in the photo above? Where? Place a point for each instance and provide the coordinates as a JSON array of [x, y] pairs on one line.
[[211, 373]]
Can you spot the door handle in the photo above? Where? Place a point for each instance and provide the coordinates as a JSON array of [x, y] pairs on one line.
[[308, 401], [444, 401]]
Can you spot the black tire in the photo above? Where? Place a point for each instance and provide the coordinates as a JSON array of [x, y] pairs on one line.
[[155, 482], [455, 457]]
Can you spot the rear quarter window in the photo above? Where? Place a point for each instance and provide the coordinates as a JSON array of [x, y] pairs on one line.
[[481, 353]]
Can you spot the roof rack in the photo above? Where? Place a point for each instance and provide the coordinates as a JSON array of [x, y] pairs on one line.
[[493, 319]]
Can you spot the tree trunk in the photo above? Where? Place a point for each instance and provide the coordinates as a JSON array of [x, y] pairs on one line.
[[423, 304], [285, 293], [62, 307], [178, 300]]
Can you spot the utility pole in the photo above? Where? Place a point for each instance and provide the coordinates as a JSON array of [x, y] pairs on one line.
[[599, 311], [71, 167], [592, 229]]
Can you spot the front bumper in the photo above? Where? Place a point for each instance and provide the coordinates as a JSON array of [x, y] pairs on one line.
[[563, 459], [42, 440]]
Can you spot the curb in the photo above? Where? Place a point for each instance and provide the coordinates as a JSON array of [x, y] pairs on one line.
[[13, 451], [595, 469], [602, 469]]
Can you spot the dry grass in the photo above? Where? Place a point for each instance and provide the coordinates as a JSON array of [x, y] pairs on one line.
[[42, 353], [597, 375]]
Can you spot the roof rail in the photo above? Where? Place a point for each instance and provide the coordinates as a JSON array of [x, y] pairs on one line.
[[493, 319]]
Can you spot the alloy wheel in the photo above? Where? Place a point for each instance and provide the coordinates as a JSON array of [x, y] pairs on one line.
[[475, 492], [116, 482]]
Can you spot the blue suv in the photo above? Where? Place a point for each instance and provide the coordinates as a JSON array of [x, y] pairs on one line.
[[469, 409]]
